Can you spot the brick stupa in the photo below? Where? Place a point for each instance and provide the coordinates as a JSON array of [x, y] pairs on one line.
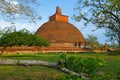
[[59, 32]]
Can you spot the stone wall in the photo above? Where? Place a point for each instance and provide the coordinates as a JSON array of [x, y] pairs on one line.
[[36, 49], [45, 49]]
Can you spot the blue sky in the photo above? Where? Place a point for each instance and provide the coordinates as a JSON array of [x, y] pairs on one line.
[[48, 8]]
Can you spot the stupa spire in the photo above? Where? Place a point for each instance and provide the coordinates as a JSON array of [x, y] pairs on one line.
[[58, 16], [58, 10]]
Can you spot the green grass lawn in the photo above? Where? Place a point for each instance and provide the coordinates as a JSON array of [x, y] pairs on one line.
[[111, 68]]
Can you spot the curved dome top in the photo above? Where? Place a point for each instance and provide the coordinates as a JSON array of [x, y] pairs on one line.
[[59, 32]]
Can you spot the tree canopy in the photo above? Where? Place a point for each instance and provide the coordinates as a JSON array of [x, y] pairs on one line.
[[92, 41], [101, 13], [11, 37], [11, 9]]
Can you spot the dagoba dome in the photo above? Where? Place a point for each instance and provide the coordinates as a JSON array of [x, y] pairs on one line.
[[59, 32]]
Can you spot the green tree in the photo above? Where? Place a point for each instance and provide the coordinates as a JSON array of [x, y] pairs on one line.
[[114, 45], [23, 37], [101, 13], [86, 66], [92, 41], [10, 9]]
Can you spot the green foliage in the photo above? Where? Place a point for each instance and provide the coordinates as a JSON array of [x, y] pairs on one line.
[[82, 65], [116, 52], [11, 37], [101, 13], [110, 71], [92, 41], [21, 38], [104, 77], [92, 38], [114, 45], [69, 77], [118, 75]]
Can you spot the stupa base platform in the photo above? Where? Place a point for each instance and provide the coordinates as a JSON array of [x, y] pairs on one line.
[[36, 49]]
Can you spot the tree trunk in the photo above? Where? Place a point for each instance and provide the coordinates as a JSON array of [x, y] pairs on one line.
[[10, 62], [119, 39]]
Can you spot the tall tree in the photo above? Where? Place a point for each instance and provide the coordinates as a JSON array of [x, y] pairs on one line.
[[10, 37], [101, 13], [11, 9], [92, 41]]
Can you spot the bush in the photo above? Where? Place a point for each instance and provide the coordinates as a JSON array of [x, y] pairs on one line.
[[82, 65], [118, 75], [116, 52], [69, 77]]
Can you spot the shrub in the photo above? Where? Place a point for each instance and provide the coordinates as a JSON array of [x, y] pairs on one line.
[[118, 75], [69, 77], [116, 52], [82, 65]]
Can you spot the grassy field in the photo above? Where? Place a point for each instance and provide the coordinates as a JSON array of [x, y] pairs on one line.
[[112, 67]]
